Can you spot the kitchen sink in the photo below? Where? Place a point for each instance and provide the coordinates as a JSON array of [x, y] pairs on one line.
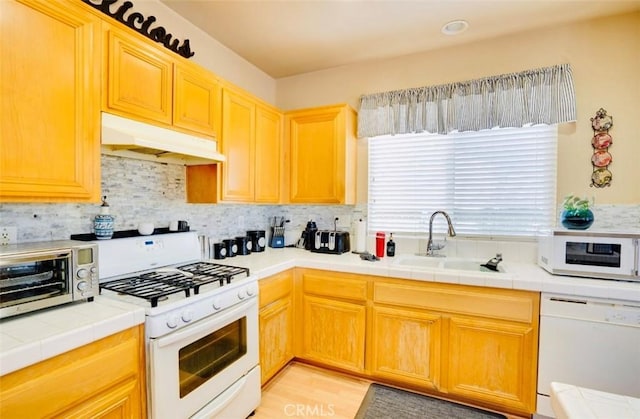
[[418, 261], [458, 264], [467, 265]]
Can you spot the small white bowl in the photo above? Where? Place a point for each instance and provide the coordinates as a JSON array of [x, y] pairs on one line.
[[145, 228]]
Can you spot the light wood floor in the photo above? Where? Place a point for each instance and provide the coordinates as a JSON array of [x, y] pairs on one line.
[[304, 391]]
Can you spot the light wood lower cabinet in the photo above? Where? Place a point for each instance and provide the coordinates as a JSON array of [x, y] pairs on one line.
[[334, 332], [276, 323], [487, 338], [405, 346], [478, 345], [333, 319], [105, 379], [492, 361]]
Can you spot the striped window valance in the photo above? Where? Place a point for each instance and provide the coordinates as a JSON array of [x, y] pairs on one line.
[[541, 96]]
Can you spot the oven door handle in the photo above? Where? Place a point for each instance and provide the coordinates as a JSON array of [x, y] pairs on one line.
[[206, 325]]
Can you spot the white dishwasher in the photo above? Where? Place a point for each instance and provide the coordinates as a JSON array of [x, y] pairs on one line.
[[588, 342]]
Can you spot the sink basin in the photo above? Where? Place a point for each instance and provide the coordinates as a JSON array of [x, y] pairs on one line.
[[419, 261], [467, 265]]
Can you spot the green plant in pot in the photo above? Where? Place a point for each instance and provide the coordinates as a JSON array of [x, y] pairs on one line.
[[576, 214]]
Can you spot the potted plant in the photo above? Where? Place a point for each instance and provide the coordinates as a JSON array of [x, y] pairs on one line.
[[577, 214]]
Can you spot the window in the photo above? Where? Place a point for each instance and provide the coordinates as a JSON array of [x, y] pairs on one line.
[[498, 182]]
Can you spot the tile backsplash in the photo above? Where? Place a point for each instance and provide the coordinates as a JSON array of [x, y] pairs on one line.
[[143, 191]]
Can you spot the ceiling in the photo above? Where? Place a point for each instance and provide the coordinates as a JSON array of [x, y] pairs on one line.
[[289, 37]]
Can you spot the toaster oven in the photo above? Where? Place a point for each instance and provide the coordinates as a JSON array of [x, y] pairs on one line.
[[35, 276]]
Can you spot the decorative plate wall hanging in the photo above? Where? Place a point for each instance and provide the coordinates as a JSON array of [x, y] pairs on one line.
[[601, 141]]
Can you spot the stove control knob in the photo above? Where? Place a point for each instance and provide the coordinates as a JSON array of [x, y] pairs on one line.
[[187, 316], [172, 321], [216, 304], [82, 273], [82, 285], [241, 294], [250, 291]]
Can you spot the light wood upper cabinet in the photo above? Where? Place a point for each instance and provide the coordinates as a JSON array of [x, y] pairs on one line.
[[251, 141], [196, 99], [105, 379], [143, 82], [139, 78], [238, 146], [268, 155], [276, 323], [322, 146], [50, 107]]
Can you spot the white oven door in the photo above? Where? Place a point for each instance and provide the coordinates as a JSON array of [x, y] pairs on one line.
[[189, 368]]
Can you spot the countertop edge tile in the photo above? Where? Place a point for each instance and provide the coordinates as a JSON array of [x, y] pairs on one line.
[[33, 351], [20, 357], [573, 402]]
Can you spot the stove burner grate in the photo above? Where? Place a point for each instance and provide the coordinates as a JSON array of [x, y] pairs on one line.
[[206, 272], [154, 285]]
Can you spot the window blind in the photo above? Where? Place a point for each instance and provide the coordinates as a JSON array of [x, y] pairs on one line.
[[497, 182]]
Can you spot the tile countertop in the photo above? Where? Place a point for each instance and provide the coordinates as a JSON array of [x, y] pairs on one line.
[[522, 276], [35, 337], [572, 402]]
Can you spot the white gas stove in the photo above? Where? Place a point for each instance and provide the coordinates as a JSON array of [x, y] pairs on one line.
[[163, 274], [201, 324]]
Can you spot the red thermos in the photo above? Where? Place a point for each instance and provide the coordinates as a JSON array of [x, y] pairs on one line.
[[380, 236]]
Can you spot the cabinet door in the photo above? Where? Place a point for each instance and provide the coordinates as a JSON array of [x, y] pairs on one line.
[[139, 79], [276, 337], [195, 100], [268, 151], [405, 346], [119, 402], [50, 107], [322, 164], [493, 361], [238, 146], [334, 332]]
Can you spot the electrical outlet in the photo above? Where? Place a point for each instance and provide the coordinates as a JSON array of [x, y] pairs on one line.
[[8, 235]]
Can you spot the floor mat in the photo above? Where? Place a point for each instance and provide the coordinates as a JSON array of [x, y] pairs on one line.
[[382, 402]]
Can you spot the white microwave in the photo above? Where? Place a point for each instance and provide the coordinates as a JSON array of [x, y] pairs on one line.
[[593, 254]]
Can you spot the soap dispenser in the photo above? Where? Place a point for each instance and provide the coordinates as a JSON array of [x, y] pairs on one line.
[[391, 246], [103, 222]]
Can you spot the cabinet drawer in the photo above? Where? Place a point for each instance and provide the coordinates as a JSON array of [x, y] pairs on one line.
[[334, 285], [275, 287], [519, 306]]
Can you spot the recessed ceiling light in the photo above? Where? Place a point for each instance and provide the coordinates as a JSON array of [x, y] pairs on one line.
[[455, 27]]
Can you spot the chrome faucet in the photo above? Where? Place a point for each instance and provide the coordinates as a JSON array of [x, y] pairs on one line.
[[430, 245]]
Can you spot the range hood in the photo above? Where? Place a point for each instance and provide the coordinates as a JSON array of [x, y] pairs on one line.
[[128, 138]]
